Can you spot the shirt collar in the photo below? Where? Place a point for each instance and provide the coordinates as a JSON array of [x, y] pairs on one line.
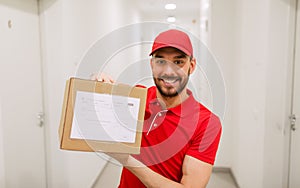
[[181, 110], [186, 107]]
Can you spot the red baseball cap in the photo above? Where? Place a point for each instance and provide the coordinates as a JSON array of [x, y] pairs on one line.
[[173, 38]]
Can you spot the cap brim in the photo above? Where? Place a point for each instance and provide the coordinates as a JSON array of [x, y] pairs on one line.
[[172, 46]]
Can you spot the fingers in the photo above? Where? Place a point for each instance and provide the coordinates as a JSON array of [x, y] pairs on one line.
[[102, 77]]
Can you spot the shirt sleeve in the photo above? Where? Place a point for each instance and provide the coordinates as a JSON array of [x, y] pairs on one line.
[[205, 142], [140, 86]]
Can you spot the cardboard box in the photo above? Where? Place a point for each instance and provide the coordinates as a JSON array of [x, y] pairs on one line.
[[99, 116]]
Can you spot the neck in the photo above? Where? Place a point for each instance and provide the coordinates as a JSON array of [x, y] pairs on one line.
[[170, 102]]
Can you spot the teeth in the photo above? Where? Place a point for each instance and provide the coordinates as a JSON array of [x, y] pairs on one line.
[[170, 81]]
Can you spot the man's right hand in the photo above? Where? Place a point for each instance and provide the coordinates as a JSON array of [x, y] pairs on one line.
[[102, 77]]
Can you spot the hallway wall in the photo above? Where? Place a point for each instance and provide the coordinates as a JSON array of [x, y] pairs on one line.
[[252, 41], [222, 42], [250, 92], [22, 152]]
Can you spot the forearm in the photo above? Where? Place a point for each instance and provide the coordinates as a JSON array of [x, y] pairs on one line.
[[150, 178], [195, 173]]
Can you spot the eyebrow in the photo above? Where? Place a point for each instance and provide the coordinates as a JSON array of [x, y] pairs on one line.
[[158, 56], [180, 56]]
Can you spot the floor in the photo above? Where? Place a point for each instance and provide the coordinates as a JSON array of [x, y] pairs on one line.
[[108, 178]]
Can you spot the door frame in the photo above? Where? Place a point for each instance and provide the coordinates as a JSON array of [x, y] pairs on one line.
[[2, 170], [290, 89]]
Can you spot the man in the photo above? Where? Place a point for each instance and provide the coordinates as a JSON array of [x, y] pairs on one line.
[[180, 137]]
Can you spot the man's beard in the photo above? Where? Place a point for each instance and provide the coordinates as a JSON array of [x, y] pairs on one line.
[[177, 91]]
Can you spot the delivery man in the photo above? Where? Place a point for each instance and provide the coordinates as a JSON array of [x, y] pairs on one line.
[[180, 136]]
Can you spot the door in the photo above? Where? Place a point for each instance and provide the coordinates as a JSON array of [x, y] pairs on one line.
[[295, 132], [22, 136]]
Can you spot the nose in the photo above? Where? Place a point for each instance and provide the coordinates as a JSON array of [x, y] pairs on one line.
[[169, 68]]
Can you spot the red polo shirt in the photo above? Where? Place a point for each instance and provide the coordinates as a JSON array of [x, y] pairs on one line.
[[169, 135]]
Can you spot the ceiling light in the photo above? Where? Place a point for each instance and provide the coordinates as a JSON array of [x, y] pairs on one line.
[[206, 6], [171, 19], [170, 6]]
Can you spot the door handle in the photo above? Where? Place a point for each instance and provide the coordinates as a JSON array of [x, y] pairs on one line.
[[41, 119], [293, 122]]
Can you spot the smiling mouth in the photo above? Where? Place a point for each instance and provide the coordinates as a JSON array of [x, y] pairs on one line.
[[168, 81]]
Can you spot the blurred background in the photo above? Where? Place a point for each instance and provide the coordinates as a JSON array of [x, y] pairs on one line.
[[256, 45]]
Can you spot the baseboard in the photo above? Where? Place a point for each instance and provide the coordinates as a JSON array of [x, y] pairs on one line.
[[226, 170]]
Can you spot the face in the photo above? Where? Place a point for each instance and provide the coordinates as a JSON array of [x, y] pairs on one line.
[[171, 69]]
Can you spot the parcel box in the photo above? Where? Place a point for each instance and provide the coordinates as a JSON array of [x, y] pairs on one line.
[[104, 117]]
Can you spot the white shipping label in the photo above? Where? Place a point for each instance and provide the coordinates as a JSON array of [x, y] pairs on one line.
[[105, 117]]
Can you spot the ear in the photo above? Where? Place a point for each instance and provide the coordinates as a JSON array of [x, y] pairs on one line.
[[192, 65]]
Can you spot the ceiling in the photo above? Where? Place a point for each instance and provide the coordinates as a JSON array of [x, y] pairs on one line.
[[187, 12], [158, 5]]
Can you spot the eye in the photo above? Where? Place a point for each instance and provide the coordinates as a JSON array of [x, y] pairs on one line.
[[178, 62], [160, 61]]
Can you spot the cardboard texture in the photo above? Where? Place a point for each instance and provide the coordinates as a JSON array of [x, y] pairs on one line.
[[72, 86]]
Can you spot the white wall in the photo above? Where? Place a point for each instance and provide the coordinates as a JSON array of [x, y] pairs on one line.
[[221, 40], [51, 28], [68, 29], [278, 92], [2, 174], [251, 41], [204, 21], [20, 103], [250, 103]]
